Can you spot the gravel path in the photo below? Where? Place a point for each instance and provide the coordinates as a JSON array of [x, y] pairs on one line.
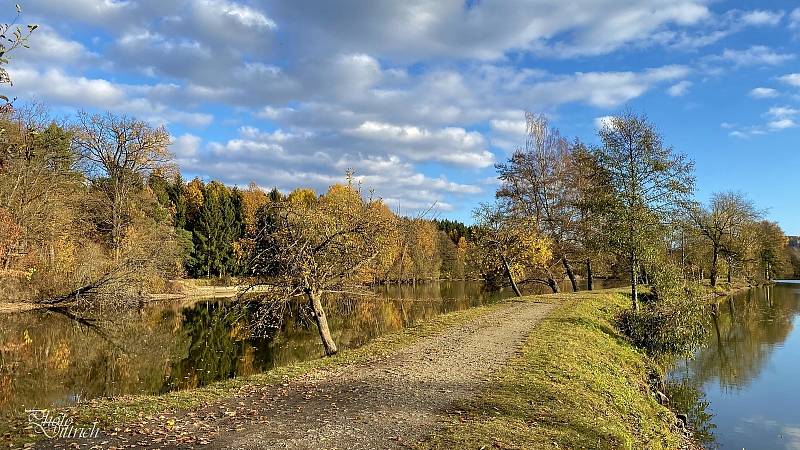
[[390, 402]]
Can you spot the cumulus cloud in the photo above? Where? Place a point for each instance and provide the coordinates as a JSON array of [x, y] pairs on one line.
[[778, 118], [755, 55], [762, 17], [763, 92], [679, 89], [405, 92], [792, 79]]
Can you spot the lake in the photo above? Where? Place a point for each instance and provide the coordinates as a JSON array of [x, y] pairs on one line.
[[48, 358], [743, 388]]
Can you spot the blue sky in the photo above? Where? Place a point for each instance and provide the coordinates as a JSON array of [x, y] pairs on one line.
[[420, 97]]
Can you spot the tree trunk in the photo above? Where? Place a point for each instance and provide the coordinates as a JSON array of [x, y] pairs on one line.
[[589, 276], [553, 285], [714, 257], [511, 278], [315, 300], [570, 274], [730, 269], [634, 279]]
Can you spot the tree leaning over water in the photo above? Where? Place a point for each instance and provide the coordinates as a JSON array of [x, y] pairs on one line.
[[651, 183], [309, 247]]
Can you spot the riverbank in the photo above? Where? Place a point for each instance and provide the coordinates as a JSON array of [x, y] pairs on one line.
[[577, 384], [495, 373]]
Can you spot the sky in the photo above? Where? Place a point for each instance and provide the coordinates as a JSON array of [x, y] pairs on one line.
[[422, 97]]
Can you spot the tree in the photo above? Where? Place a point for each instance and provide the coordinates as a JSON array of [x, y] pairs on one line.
[[593, 201], [535, 183], [650, 181], [721, 225], [119, 152], [771, 245], [215, 232], [318, 246], [508, 247]]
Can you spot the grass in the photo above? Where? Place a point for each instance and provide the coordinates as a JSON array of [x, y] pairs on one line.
[[578, 384], [113, 412]]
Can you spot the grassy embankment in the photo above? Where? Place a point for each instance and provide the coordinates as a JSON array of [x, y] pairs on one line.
[[577, 384]]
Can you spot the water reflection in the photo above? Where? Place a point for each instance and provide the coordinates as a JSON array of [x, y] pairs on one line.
[[749, 369], [49, 359]]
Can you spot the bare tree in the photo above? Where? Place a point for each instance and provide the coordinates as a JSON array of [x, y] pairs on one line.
[[118, 152]]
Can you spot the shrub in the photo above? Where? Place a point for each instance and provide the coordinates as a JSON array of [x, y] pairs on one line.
[[671, 319]]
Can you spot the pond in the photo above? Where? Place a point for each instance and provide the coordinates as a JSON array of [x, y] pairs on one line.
[[48, 358], [742, 390]]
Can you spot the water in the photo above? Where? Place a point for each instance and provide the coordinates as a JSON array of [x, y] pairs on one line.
[[743, 389], [49, 359]]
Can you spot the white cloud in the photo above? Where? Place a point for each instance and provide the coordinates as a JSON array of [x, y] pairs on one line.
[[791, 79], [755, 55], [762, 92], [762, 17], [451, 145], [679, 89], [781, 124], [603, 122]]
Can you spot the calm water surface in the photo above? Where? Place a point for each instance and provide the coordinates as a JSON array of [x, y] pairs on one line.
[[743, 389], [49, 359]]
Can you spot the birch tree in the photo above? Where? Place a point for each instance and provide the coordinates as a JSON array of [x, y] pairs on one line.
[[651, 182]]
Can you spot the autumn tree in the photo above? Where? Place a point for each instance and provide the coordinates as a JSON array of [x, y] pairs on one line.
[[314, 246], [721, 225], [650, 182], [119, 152], [509, 247], [535, 184], [593, 201]]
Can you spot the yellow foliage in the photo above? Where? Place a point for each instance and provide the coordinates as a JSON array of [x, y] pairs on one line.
[[302, 197]]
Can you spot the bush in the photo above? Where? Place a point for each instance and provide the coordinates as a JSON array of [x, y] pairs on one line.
[[671, 319]]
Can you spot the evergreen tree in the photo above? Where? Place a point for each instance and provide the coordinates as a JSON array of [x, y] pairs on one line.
[[215, 232]]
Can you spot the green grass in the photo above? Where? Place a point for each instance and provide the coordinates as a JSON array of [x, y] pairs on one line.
[[578, 384]]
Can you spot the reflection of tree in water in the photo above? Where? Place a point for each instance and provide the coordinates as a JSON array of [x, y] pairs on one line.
[[687, 399], [51, 359], [57, 357], [745, 331]]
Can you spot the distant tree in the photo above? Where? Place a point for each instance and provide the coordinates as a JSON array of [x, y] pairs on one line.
[[593, 200], [650, 181], [771, 245], [721, 225], [309, 246]]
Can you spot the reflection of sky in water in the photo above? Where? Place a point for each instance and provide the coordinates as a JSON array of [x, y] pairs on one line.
[[751, 376]]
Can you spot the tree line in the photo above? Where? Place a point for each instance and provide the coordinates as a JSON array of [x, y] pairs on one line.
[[95, 208]]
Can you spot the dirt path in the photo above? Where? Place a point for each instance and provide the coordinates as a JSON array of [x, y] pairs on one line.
[[387, 403]]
